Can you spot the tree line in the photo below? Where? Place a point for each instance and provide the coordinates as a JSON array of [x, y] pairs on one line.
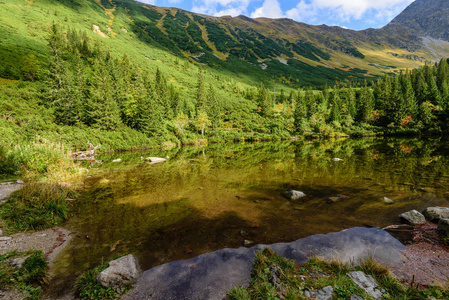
[[87, 86]]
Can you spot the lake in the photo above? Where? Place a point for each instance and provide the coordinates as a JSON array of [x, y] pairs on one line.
[[203, 199]]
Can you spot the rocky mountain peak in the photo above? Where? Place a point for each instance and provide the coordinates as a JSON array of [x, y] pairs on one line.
[[428, 18]]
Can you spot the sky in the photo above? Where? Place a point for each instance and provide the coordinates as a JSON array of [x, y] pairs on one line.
[[352, 14]]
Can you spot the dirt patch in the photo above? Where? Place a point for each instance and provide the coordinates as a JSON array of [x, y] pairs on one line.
[[426, 259], [7, 188], [50, 241]]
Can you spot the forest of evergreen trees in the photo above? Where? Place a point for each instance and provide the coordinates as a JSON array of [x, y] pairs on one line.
[[86, 86]]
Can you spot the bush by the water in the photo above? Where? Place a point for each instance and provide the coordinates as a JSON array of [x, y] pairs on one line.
[[36, 206]]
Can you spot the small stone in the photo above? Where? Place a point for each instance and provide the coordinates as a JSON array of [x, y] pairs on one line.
[[413, 217], [388, 201], [117, 160], [436, 213], [5, 238], [247, 242], [20, 181], [325, 293], [443, 228], [18, 262], [294, 195], [334, 199], [367, 283], [337, 159], [308, 293]]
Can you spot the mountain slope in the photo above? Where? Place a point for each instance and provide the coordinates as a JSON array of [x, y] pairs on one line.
[[273, 51]]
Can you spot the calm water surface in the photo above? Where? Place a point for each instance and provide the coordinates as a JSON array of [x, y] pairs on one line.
[[206, 198]]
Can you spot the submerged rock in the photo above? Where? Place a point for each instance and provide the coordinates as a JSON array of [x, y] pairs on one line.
[[443, 228], [294, 195], [413, 217], [388, 201], [247, 242], [367, 283], [334, 199], [436, 213], [122, 271]]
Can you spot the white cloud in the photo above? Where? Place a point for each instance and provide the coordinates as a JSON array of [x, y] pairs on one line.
[[269, 9], [346, 10], [152, 2], [221, 7]]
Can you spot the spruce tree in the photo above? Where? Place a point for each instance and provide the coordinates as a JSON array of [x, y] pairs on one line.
[[200, 91]]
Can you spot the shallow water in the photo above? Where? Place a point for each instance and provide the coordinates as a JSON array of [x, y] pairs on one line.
[[207, 198]]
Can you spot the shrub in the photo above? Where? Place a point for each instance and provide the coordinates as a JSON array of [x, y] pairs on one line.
[[36, 206]]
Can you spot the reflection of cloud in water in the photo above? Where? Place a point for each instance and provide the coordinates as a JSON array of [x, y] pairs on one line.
[[211, 275]]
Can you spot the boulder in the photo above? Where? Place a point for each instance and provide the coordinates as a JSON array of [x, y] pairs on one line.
[[154, 160], [122, 271], [443, 228], [367, 283], [413, 217], [356, 297], [436, 213], [294, 195]]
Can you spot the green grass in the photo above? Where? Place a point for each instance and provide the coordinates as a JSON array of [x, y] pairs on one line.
[[28, 278], [318, 273], [87, 286], [36, 206]]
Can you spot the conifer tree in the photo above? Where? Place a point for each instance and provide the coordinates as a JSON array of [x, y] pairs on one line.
[[200, 91], [104, 111]]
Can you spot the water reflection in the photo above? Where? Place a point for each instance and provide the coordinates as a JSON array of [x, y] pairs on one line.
[[204, 199]]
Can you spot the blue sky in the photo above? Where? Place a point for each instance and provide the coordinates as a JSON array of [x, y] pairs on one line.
[[353, 14]]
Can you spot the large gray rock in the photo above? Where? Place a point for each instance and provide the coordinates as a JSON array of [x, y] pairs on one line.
[[413, 217], [367, 283], [435, 213], [294, 195], [122, 271], [210, 276], [443, 227]]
